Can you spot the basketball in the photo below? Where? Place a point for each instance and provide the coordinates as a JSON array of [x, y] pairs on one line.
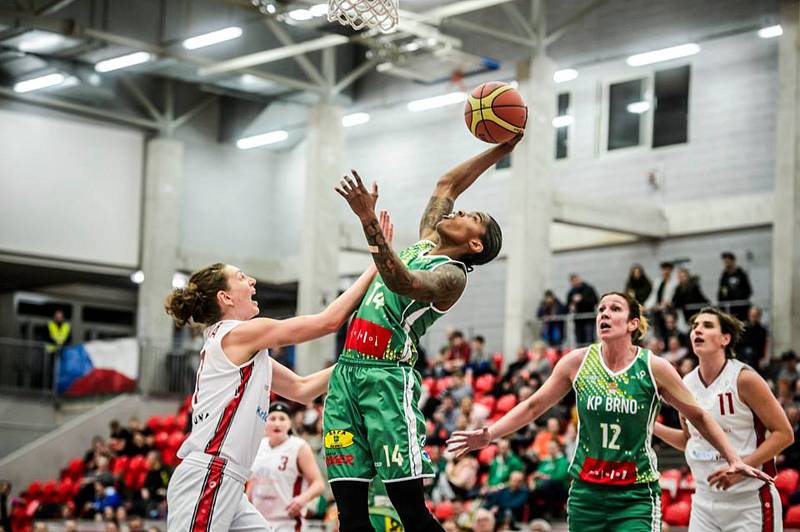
[[495, 112]]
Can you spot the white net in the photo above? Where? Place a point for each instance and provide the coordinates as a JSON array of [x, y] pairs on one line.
[[360, 14]]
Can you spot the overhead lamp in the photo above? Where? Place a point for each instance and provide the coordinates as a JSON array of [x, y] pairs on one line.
[[214, 37], [319, 10], [300, 14], [40, 82], [123, 61], [567, 74], [664, 54], [638, 107], [563, 121], [179, 280], [137, 277], [40, 41], [437, 101], [355, 119], [262, 140], [770, 31]]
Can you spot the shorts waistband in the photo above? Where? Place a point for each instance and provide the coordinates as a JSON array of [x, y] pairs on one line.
[[374, 362], [206, 461]]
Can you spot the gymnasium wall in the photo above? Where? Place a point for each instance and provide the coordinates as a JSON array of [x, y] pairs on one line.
[[71, 188]]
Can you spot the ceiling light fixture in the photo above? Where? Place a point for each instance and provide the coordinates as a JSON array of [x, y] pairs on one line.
[[263, 139], [664, 54], [211, 38]]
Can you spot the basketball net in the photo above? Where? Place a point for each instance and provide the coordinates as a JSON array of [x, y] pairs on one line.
[[360, 14]]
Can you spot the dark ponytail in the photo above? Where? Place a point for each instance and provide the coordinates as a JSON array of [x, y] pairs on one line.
[[197, 303]]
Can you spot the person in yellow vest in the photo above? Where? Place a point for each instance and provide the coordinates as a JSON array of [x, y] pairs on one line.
[[59, 331]]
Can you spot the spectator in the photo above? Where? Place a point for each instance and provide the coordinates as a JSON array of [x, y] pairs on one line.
[[787, 377], [656, 345], [582, 299], [59, 331], [549, 483], [550, 313], [154, 490], [752, 348], [675, 351], [734, 285], [544, 437], [671, 329], [538, 363], [449, 413], [638, 285], [138, 445], [120, 437], [504, 463], [484, 521], [508, 503], [481, 359], [687, 364], [459, 388], [660, 302], [688, 298], [458, 352], [462, 476], [515, 367], [135, 524], [99, 448]]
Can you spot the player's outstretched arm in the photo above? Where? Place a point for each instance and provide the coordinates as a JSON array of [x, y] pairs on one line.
[[292, 386], [457, 180], [442, 286], [678, 395], [552, 391], [676, 438]]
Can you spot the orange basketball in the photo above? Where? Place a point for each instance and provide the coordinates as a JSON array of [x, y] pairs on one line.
[[495, 112]]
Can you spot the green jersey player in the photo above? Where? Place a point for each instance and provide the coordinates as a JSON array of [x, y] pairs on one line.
[[372, 424], [619, 387]]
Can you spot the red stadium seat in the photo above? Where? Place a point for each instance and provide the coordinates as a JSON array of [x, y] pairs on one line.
[[155, 423], [669, 481], [792, 517], [161, 440], [75, 469], [489, 401], [50, 491], [182, 420], [120, 465], [428, 383], [444, 511], [484, 383], [170, 423], [487, 454], [678, 514], [497, 359], [34, 490], [786, 481], [65, 489], [176, 439], [506, 403]]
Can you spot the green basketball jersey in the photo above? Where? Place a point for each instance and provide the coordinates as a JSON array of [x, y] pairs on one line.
[[388, 326], [616, 413]]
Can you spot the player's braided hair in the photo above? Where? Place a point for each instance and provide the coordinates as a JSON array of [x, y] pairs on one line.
[[492, 240], [635, 311], [727, 323], [197, 303]]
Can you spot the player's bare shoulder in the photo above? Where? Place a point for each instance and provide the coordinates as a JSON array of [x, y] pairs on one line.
[[450, 280], [570, 363]]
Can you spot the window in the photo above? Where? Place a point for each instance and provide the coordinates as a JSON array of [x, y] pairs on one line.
[[625, 119], [562, 130], [671, 114]]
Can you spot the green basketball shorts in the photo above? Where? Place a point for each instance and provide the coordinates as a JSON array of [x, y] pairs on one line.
[[634, 508], [372, 424]]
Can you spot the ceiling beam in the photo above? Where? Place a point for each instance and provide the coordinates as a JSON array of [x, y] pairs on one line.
[[62, 105], [490, 32], [571, 21], [459, 8], [302, 61], [638, 220], [515, 16], [270, 56], [53, 7], [142, 98], [354, 74]]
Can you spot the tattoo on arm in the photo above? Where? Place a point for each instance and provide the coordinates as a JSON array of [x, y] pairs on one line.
[[442, 285], [437, 208]]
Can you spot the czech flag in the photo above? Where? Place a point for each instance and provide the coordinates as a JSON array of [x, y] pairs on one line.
[[98, 368]]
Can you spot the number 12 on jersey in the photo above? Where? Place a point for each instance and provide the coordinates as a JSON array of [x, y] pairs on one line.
[[615, 432]]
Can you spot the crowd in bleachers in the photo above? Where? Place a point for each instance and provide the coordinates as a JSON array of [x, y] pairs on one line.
[[512, 483]]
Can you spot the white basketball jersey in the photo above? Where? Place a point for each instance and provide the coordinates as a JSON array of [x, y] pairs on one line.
[[276, 478], [230, 403], [741, 426]]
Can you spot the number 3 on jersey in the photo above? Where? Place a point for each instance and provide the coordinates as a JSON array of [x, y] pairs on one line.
[[615, 432], [375, 297], [397, 458]]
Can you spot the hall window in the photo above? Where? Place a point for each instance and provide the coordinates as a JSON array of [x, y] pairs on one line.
[[562, 123]]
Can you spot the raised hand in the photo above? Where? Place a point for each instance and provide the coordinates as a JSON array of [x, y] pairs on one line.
[[463, 441], [726, 477], [361, 201], [387, 227]]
